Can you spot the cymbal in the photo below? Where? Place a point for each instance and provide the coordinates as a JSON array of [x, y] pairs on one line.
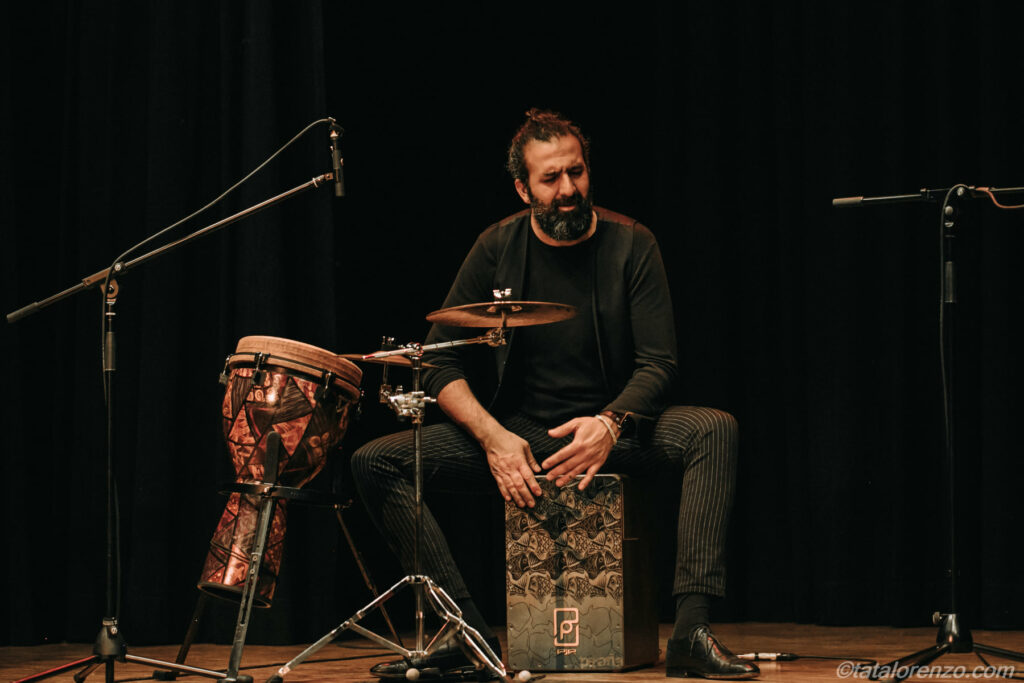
[[393, 361], [493, 313]]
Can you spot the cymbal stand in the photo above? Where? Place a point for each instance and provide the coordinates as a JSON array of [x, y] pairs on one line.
[[411, 405]]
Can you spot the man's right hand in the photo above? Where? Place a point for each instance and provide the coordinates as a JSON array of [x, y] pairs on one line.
[[508, 455], [512, 465]]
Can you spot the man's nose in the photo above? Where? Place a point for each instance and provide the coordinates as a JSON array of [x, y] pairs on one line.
[[566, 186]]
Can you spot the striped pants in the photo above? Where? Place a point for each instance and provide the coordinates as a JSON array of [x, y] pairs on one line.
[[699, 442]]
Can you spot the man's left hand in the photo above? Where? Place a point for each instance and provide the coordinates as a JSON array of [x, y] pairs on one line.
[[586, 453]]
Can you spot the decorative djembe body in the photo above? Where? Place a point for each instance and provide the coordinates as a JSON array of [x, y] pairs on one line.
[[303, 393]]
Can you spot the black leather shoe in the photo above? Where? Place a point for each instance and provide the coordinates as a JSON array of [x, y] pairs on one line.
[[702, 655], [447, 658]]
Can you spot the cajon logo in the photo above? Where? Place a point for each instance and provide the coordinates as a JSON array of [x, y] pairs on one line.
[[567, 627]]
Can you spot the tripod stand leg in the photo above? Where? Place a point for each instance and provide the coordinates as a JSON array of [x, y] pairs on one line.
[[470, 641], [999, 652], [350, 623], [899, 669], [90, 660], [193, 628], [308, 652], [366, 575], [87, 671], [190, 637], [181, 668]]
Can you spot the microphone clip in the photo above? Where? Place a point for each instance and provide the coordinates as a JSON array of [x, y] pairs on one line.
[[337, 162]]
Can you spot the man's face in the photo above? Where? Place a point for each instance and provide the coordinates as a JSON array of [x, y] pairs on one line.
[[557, 187]]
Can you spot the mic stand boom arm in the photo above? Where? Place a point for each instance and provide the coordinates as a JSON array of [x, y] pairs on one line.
[[924, 195], [119, 268]]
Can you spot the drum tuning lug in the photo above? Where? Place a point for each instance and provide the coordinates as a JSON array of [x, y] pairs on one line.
[[258, 374], [224, 372], [323, 392]]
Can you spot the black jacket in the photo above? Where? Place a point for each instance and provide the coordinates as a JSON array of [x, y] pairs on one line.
[[632, 307]]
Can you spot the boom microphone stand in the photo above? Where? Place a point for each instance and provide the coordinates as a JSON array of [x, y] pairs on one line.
[[110, 644], [953, 636]]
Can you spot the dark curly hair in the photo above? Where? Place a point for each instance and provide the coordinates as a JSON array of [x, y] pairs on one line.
[[543, 125]]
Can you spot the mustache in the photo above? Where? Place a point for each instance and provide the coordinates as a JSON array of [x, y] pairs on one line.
[[574, 200]]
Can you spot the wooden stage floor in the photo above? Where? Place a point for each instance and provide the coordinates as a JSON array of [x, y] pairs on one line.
[[348, 661]]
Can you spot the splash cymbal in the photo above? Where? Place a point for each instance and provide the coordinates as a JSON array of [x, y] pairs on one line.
[[393, 361]]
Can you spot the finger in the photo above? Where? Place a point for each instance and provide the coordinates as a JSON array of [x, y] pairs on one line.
[[568, 478], [523, 490], [568, 471], [562, 454], [589, 477], [531, 481], [530, 460], [565, 429], [503, 490], [556, 474], [559, 469], [513, 491]]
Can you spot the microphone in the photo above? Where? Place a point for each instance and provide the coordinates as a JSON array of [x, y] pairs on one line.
[[769, 656], [337, 161]]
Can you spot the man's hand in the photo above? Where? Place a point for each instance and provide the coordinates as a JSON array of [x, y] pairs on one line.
[[513, 466], [587, 452], [508, 456]]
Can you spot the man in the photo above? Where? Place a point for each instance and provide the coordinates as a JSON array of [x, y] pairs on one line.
[[565, 399]]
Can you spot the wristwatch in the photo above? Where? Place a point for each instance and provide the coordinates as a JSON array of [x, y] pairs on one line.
[[624, 422]]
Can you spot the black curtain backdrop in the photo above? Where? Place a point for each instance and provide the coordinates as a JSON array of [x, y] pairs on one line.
[[725, 127]]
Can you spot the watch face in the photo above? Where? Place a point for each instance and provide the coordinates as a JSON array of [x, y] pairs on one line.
[[622, 420], [626, 424]]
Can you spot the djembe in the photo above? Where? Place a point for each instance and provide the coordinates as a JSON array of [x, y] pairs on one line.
[[304, 394]]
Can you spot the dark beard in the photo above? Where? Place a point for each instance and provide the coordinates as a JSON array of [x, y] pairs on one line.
[[564, 226]]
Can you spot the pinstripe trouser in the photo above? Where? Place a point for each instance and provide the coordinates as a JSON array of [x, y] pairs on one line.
[[701, 442]]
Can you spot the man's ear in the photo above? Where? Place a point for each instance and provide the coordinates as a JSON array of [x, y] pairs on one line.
[[521, 189]]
